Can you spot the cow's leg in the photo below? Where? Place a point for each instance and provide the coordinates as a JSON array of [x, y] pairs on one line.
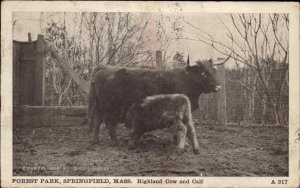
[[191, 134], [136, 134], [94, 115], [91, 118], [91, 124], [96, 123], [95, 118], [111, 126], [180, 131]]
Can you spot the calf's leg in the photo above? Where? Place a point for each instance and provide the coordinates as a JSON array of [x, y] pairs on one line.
[[181, 130], [136, 134], [191, 134]]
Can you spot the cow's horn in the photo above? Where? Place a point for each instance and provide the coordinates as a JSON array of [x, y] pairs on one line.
[[220, 62], [188, 61]]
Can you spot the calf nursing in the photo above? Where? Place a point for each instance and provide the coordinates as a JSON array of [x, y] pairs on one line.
[[162, 111], [113, 90]]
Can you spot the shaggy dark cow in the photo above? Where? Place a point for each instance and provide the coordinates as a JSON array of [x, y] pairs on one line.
[[113, 90], [163, 111]]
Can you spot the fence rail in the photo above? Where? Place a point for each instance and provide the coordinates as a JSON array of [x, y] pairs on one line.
[[43, 116]]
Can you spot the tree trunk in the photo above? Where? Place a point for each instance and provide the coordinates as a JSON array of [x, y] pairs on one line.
[[248, 94], [276, 114]]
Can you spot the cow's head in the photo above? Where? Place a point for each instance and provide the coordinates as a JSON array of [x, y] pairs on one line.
[[203, 76]]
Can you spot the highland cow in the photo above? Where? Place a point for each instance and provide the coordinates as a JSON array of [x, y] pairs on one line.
[[162, 111], [114, 89]]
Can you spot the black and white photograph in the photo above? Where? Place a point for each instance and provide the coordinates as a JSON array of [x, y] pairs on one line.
[[148, 90]]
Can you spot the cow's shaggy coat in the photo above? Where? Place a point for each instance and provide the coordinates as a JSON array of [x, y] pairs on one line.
[[163, 111], [113, 90]]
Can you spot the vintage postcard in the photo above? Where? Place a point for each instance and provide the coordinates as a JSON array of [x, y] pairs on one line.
[[149, 94]]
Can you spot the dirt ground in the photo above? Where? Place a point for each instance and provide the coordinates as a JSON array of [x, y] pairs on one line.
[[225, 151]]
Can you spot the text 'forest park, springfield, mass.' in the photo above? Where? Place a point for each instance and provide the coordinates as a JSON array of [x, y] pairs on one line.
[[109, 181]]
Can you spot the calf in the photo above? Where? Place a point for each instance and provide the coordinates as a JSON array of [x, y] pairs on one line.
[[162, 111]]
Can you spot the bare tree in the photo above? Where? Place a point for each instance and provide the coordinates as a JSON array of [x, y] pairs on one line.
[[62, 39], [259, 42], [117, 38]]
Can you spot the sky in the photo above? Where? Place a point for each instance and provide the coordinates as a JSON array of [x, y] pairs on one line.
[[32, 22]]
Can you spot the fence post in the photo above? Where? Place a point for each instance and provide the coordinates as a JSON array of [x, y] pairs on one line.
[[16, 74], [29, 37], [40, 71], [159, 64], [222, 116]]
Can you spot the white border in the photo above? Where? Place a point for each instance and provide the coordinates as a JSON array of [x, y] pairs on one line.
[[203, 7]]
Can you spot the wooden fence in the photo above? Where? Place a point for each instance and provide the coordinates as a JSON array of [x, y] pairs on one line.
[[29, 72]]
